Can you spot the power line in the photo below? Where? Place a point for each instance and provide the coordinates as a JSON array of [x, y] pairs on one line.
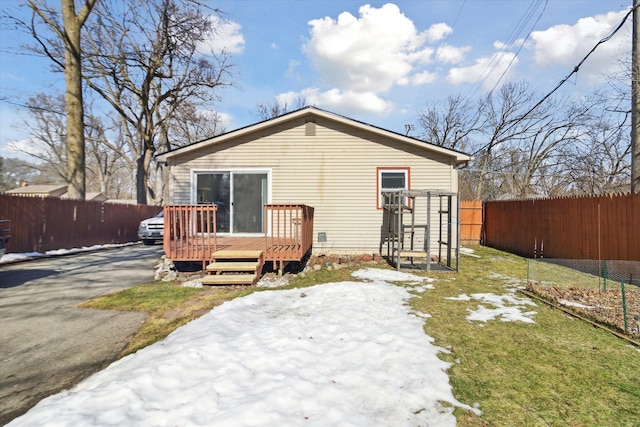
[[524, 40], [513, 37], [574, 71]]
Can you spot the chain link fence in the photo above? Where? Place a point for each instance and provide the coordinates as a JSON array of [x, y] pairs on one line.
[[605, 291]]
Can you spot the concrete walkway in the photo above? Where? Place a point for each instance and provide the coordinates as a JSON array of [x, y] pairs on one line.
[[47, 344]]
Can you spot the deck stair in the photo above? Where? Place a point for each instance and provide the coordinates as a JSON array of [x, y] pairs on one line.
[[234, 267]]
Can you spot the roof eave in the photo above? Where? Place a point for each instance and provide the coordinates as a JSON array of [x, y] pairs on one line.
[[459, 156]]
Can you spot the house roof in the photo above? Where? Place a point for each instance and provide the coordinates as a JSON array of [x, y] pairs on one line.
[[54, 190], [311, 111], [95, 196]]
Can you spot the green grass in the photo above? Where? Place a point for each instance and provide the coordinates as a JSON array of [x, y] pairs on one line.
[[169, 306], [559, 371], [147, 297]]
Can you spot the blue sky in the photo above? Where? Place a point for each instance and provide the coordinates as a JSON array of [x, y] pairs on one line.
[[378, 62]]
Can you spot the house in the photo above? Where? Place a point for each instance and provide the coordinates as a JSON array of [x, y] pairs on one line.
[[92, 196], [52, 190], [39, 190], [314, 158]]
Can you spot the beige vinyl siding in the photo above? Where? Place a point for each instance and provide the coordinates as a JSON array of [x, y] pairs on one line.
[[335, 171]]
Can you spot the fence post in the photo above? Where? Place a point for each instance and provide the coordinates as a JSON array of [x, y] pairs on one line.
[[604, 273], [624, 309], [528, 270]]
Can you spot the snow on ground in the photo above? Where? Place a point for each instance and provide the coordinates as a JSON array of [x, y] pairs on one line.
[[468, 251], [13, 257], [347, 353], [507, 307], [568, 303]]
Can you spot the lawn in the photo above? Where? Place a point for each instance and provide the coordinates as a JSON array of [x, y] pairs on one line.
[[557, 370]]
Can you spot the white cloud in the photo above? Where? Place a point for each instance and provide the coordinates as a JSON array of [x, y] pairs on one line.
[[566, 45], [487, 70], [369, 53], [362, 57], [423, 78], [451, 55], [226, 119], [27, 147], [438, 31], [292, 70], [347, 102], [227, 37]]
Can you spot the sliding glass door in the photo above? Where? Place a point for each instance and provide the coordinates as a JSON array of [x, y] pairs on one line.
[[239, 195]]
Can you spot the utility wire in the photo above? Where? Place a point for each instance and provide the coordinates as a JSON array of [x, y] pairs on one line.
[[520, 48], [574, 71], [498, 57]]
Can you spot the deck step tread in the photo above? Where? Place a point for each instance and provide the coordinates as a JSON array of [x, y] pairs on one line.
[[233, 266], [413, 254], [229, 279], [236, 254]]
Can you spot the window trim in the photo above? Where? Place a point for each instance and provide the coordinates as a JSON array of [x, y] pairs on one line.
[[382, 169]]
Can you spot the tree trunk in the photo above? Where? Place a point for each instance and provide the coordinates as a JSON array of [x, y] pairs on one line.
[[141, 181], [142, 176], [73, 103]]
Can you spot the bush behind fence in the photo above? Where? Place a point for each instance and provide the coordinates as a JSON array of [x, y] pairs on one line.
[[40, 224]]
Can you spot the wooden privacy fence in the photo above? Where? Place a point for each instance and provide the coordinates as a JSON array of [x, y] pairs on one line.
[[471, 221], [40, 224], [600, 227]]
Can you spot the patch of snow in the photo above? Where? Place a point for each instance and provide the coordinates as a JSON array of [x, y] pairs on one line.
[[20, 256], [382, 275], [469, 252], [13, 257], [634, 347], [347, 353], [195, 283], [505, 314], [461, 297], [416, 283], [575, 304], [507, 307]]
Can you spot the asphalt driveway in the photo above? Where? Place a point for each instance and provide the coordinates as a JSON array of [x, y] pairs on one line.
[[47, 344]]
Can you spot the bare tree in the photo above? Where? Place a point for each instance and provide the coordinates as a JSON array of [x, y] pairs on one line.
[[521, 152], [14, 171], [599, 163], [277, 108], [67, 32], [46, 121], [104, 156], [190, 124], [449, 124], [143, 59], [47, 125]]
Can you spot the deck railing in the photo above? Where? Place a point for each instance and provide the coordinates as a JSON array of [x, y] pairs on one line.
[[288, 232], [190, 232]]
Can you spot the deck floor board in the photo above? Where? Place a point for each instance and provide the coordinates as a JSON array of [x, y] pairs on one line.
[[200, 253]]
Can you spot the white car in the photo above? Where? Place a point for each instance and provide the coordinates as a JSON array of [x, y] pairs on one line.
[[152, 229]]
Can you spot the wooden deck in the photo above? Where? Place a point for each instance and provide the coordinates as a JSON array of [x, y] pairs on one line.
[[289, 237]]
